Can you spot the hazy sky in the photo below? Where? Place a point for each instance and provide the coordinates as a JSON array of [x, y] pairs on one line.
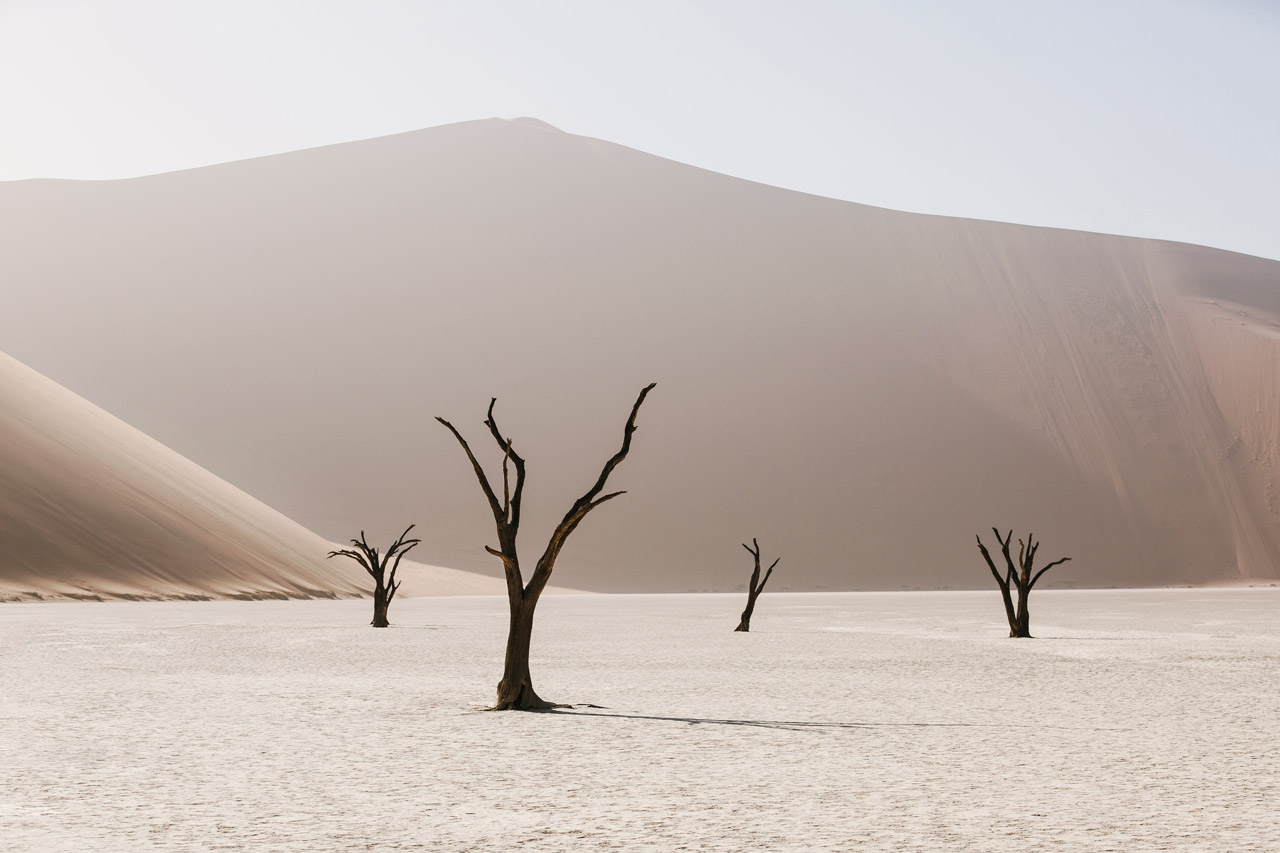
[[1158, 118]]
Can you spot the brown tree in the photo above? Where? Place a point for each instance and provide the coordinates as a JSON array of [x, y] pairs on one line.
[[515, 690], [385, 584], [756, 587], [1019, 576]]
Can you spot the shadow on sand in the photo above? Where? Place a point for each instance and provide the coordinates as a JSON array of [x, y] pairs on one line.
[[793, 725]]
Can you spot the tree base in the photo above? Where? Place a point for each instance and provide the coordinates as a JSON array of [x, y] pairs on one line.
[[524, 703], [523, 699], [540, 706]]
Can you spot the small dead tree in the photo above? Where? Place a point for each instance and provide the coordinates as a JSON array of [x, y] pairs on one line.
[[1018, 576], [515, 690], [757, 585], [385, 584]]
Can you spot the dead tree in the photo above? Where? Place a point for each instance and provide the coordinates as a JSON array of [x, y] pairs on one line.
[[385, 584], [515, 690], [1018, 576], [757, 585]]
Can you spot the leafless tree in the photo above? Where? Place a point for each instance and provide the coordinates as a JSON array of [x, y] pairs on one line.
[[756, 587], [1018, 576], [385, 584], [515, 690]]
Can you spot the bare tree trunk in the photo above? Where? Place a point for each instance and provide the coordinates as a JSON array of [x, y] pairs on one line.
[[755, 587], [1021, 626], [515, 690], [380, 606]]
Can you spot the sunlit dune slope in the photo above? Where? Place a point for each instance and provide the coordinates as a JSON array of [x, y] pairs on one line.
[[92, 508], [862, 389]]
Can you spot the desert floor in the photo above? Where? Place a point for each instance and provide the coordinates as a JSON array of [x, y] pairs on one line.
[[1138, 720]]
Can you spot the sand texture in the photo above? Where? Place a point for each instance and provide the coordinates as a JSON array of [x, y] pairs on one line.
[[92, 508], [862, 389], [1136, 721]]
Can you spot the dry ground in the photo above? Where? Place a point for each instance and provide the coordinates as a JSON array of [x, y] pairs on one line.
[[1139, 720]]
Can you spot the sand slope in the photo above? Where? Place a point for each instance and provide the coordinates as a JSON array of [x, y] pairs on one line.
[[862, 389], [92, 508]]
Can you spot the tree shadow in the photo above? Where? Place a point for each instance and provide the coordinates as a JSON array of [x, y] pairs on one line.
[[1092, 639], [796, 725]]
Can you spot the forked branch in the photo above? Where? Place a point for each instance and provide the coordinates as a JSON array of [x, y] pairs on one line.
[[586, 503], [499, 514]]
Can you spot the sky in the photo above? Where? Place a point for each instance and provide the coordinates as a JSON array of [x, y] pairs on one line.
[[1154, 118]]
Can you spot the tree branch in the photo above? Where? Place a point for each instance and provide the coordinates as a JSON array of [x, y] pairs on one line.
[[359, 558], [760, 588], [607, 497], [506, 483], [499, 515], [399, 548], [1012, 573], [584, 504], [1045, 569], [513, 504], [986, 555], [617, 457]]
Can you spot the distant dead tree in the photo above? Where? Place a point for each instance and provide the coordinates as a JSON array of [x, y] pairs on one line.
[[1019, 576], [756, 587], [385, 584], [515, 690]]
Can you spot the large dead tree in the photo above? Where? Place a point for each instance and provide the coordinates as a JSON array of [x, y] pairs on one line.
[[756, 587], [515, 690], [385, 584], [1017, 576]]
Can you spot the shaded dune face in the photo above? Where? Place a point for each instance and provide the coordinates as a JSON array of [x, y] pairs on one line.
[[861, 389], [92, 508]]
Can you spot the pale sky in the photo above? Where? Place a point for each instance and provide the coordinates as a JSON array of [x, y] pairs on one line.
[[1156, 118]]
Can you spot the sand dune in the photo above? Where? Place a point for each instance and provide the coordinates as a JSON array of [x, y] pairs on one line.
[[862, 389], [91, 508]]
